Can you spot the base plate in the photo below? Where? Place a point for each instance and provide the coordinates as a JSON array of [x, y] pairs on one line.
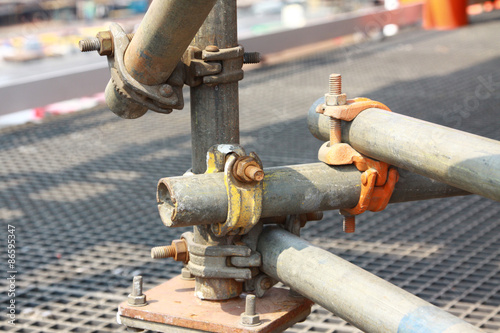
[[173, 307]]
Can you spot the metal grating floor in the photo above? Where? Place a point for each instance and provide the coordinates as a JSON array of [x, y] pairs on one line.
[[80, 189]]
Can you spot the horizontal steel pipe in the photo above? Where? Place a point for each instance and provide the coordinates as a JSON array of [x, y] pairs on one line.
[[296, 189], [359, 297], [457, 158]]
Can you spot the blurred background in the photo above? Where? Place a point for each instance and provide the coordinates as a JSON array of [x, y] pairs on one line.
[[39, 41]]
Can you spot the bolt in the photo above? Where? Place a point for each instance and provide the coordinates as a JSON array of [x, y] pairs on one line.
[[250, 305], [94, 44], [335, 88], [335, 84], [136, 297], [137, 286], [254, 173], [349, 224], [250, 317], [212, 48], [178, 250], [246, 169], [251, 57]]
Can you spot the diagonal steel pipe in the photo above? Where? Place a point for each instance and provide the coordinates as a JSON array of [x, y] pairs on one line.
[[355, 295]]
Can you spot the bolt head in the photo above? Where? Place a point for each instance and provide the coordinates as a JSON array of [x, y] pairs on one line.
[[166, 90], [136, 300], [247, 320], [335, 100], [212, 48], [266, 283]]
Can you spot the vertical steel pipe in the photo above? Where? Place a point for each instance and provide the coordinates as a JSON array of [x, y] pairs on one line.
[[457, 158], [359, 297], [215, 120]]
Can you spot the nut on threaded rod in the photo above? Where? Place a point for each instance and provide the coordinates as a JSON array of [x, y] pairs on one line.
[[335, 98], [178, 250], [94, 44]]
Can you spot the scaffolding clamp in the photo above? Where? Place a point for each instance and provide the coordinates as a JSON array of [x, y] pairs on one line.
[[160, 98], [378, 178], [243, 177]]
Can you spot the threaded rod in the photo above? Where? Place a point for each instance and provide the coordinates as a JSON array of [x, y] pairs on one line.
[[160, 252], [335, 84], [91, 44], [349, 224], [251, 57]]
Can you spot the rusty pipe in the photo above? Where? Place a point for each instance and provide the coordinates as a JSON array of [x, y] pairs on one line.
[[156, 48], [163, 36], [457, 158], [296, 189]]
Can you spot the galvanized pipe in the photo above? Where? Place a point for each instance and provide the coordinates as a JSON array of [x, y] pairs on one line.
[[355, 295], [215, 120], [457, 158], [296, 189]]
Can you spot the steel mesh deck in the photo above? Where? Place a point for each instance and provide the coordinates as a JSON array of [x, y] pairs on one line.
[[80, 188]]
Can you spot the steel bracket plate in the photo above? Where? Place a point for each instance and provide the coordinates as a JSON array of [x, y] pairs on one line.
[[172, 306]]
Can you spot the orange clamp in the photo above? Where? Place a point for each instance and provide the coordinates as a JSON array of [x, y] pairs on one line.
[[378, 178]]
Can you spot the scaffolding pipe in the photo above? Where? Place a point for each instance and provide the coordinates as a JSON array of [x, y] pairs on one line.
[[355, 295], [157, 47], [295, 189], [215, 120], [457, 158]]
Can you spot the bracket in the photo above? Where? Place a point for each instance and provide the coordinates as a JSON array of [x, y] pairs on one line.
[[161, 98], [213, 66], [211, 261], [244, 194], [377, 180]]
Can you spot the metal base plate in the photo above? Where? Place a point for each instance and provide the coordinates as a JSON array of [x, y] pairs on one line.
[[173, 307]]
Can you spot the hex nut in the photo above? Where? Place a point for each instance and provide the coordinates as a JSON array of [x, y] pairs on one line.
[[136, 300], [106, 41], [181, 250], [247, 320], [240, 166], [334, 100]]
